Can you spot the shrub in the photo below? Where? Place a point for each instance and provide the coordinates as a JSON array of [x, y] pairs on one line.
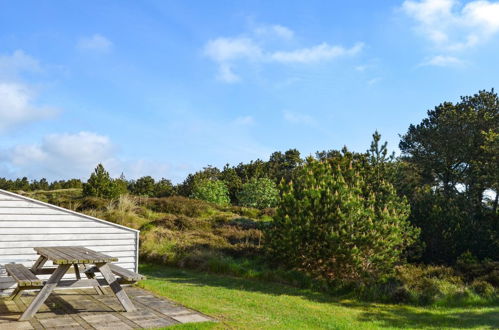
[[181, 205], [472, 269], [483, 288], [331, 223], [259, 193], [213, 191], [93, 203]]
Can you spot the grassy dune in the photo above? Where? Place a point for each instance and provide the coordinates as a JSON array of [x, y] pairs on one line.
[[247, 304]]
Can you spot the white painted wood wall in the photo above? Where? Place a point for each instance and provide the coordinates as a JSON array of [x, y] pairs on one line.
[[26, 223]]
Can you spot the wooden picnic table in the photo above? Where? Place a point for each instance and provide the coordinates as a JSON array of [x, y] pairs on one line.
[[65, 257]]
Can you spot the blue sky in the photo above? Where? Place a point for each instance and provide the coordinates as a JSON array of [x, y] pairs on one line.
[[165, 88]]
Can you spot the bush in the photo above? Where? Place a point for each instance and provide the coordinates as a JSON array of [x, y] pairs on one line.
[[472, 269], [93, 203], [483, 288], [213, 191], [331, 223], [259, 193], [181, 206]]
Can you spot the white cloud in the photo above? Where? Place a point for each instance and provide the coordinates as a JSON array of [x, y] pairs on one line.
[[96, 43], [11, 65], [226, 74], [62, 155], [275, 30], [227, 51], [18, 99], [244, 121], [452, 26], [317, 53], [16, 106], [442, 60], [298, 118], [373, 81]]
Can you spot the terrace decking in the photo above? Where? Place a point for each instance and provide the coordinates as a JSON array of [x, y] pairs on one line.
[[85, 309]]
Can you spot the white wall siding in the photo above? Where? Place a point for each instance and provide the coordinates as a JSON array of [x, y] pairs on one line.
[[26, 223]]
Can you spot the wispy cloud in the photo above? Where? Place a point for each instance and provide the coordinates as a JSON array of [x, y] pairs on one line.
[[442, 60], [244, 121], [95, 43], [322, 52], [298, 118], [449, 25], [18, 61], [374, 81], [275, 30], [227, 51]]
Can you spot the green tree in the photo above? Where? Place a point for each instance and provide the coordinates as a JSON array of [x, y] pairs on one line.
[[259, 193], [144, 186], [232, 180], [330, 222], [163, 188], [100, 184], [281, 165], [207, 173], [453, 155], [213, 191]]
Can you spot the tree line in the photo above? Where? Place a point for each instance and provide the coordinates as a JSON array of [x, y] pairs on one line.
[[443, 187]]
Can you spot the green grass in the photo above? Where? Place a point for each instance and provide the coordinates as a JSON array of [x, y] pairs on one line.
[[247, 304]]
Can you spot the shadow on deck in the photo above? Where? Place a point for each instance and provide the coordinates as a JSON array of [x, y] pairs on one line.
[[84, 309]]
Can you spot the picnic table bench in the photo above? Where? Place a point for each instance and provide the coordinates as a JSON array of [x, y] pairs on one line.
[[82, 260]]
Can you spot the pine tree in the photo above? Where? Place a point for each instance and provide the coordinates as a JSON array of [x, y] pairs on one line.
[[332, 224], [100, 184]]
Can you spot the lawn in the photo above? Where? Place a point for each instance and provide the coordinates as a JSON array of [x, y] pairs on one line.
[[246, 304]]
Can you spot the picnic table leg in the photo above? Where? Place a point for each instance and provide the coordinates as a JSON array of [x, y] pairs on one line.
[[38, 264], [91, 276], [17, 292], [119, 292], [45, 292]]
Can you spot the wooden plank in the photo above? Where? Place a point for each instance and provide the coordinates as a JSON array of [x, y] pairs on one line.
[[84, 256], [89, 256], [126, 274], [44, 217], [90, 243], [17, 203], [115, 251], [39, 264], [66, 237], [44, 293], [71, 256], [5, 197], [51, 224], [52, 255], [99, 255], [116, 287], [57, 230], [87, 283], [30, 210], [22, 275]]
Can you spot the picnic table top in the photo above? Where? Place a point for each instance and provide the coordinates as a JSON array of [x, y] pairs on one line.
[[60, 255]]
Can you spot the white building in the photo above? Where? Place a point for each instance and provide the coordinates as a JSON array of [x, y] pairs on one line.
[[26, 223]]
